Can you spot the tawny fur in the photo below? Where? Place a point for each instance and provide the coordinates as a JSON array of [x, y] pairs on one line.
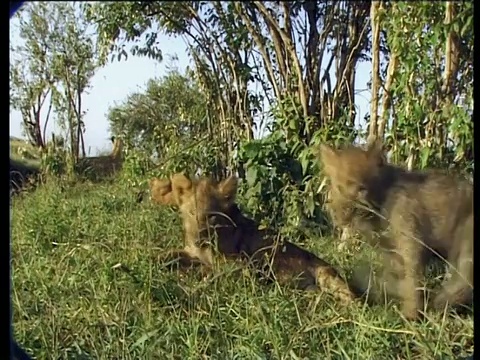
[[208, 210], [417, 215]]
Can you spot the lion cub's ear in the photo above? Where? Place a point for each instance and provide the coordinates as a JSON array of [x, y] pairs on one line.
[[181, 185], [228, 188], [329, 159], [161, 191], [181, 182], [375, 150]]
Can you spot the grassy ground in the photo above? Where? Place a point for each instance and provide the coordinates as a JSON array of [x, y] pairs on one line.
[[73, 299]]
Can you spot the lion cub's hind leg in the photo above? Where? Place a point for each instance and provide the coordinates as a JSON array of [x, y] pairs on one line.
[[458, 288]]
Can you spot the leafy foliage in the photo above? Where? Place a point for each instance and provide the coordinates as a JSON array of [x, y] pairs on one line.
[[170, 110], [432, 88], [280, 49], [167, 125]]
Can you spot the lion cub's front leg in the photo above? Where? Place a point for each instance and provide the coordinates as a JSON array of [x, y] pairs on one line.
[[203, 254], [409, 267]]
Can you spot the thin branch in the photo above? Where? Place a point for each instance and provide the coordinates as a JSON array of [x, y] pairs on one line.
[[291, 51], [387, 96], [375, 66]]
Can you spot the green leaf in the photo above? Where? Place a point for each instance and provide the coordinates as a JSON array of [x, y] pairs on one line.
[[143, 338], [310, 205], [251, 176], [292, 124], [305, 162], [424, 156]]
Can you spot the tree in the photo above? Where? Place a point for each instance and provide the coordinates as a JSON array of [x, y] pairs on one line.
[[275, 47], [54, 64], [168, 119], [31, 79]]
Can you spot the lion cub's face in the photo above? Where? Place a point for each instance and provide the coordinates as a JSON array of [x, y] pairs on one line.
[[351, 170], [198, 200]]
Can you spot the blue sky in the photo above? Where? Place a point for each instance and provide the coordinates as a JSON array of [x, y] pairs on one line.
[[113, 83]]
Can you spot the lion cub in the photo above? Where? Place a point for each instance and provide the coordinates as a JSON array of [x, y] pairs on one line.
[[419, 215], [208, 208]]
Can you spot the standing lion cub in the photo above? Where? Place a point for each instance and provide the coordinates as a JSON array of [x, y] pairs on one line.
[[417, 213], [208, 208]]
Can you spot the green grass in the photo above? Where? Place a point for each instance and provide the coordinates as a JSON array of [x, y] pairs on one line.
[[72, 299]]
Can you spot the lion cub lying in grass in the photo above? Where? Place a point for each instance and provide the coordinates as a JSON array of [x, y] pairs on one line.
[[208, 209], [418, 214]]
